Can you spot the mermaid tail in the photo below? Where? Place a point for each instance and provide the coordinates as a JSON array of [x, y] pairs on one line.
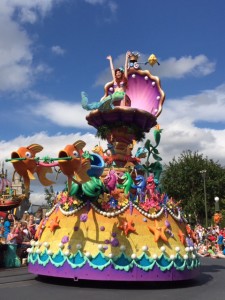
[[105, 104], [11, 260]]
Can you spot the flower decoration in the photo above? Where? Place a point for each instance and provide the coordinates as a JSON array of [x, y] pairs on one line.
[[66, 206], [106, 206]]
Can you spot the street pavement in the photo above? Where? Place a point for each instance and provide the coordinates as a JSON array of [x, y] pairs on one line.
[[209, 285]]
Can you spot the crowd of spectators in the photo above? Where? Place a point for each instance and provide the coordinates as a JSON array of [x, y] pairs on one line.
[[15, 238], [209, 241]]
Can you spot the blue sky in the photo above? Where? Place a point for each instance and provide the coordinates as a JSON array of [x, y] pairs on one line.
[[52, 50]]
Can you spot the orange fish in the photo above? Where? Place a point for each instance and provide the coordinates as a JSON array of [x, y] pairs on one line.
[[73, 164], [25, 165]]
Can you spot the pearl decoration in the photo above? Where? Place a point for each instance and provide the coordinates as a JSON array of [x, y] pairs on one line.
[[177, 249], [153, 83], [144, 248], [185, 256], [122, 248], [61, 246], [133, 256], [163, 248], [78, 246], [172, 257], [111, 89], [46, 244], [37, 244], [110, 255], [146, 77], [100, 247], [88, 254], [67, 253], [158, 98], [155, 256], [49, 252], [187, 249], [133, 75]]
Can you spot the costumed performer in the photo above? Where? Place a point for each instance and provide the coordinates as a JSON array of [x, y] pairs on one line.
[[119, 84]]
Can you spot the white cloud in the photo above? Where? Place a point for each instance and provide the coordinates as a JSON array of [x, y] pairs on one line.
[[112, 5], [16, 59], [27, 10], [186, 66], [179, 118], [58, 112], [58, 50]]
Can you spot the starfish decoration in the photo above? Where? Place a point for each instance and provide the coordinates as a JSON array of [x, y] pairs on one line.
[[158, 231], [127, 227], [181, 236], [39, 230], [54, 224]]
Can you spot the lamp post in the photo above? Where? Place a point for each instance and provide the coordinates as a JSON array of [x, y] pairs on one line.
[[203, 172], [217, 204], [217, 215]]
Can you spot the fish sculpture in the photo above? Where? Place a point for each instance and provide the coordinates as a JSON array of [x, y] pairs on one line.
[[140, 186], [110, 180], [73, 164], [126, 184], [26, 164]]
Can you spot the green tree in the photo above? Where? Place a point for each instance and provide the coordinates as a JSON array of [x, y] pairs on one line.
[[49, 195], [182, 179]]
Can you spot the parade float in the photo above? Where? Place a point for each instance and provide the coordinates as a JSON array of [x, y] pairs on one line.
[[10, 196], [111, 222]]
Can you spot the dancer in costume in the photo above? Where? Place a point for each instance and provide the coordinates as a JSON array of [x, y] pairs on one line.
[[119, 85]]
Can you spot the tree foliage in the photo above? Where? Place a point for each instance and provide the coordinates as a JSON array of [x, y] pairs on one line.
[[49, 195], [182, 179]]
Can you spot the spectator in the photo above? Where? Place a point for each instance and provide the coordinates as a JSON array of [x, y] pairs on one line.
[[9, 221], [31, 226], [11, 260], [220, 241], [2, 222]]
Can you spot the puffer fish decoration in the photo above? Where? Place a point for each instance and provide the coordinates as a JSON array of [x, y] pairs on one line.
[[26, 164], [73, 164], [152, 60]]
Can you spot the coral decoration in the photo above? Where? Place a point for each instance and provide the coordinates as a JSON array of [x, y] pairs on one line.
[[54, 224], [181, 236], [159, 232], [127, 227]]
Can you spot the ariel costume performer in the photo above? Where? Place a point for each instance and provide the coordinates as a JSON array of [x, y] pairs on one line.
[[111, 221], [119, 84]]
